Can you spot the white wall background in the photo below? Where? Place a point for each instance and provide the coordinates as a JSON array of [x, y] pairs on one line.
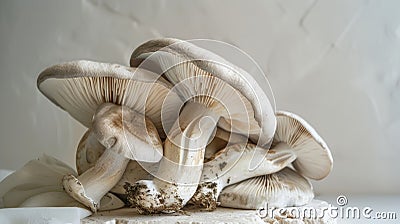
[[336, 63]]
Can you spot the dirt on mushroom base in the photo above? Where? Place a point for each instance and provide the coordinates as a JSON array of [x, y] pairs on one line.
[[207, 200], [137, 192]]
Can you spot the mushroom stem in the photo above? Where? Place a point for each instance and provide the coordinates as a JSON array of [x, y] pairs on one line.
[[180, 169], [93, 184], [125, 134], [232, 165], [89, 151]]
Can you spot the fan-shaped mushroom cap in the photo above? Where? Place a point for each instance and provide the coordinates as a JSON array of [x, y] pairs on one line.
[[181, 60], [282, 189], [79, 87], [314, 159]]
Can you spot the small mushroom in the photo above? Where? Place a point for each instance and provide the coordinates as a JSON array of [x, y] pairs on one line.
[[231, 166], [119, 105], [314, 159], [214, 94], [281, 189]]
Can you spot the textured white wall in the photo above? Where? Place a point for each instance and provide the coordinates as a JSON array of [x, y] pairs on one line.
[[336, 63]]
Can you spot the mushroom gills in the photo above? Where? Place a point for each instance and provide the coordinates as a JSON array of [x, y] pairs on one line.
[[282, 189], [164, 53], [314, 159], [80, 87], [192, 83]]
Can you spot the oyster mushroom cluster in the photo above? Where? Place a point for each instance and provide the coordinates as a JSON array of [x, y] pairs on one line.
[[181, 126]]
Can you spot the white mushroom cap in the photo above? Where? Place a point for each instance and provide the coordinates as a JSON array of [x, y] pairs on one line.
[[79, 87], [181, 52], [314, 159], [281, 189]]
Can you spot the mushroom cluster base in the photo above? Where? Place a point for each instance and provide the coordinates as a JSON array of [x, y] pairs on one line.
[[195, 215]]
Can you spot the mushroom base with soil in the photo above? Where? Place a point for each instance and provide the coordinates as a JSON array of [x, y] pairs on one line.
[[180, 169]]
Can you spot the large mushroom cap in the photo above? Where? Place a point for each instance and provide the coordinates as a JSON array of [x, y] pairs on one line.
[[282, 189], [314, 159], [79, 87], [177, 59]]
